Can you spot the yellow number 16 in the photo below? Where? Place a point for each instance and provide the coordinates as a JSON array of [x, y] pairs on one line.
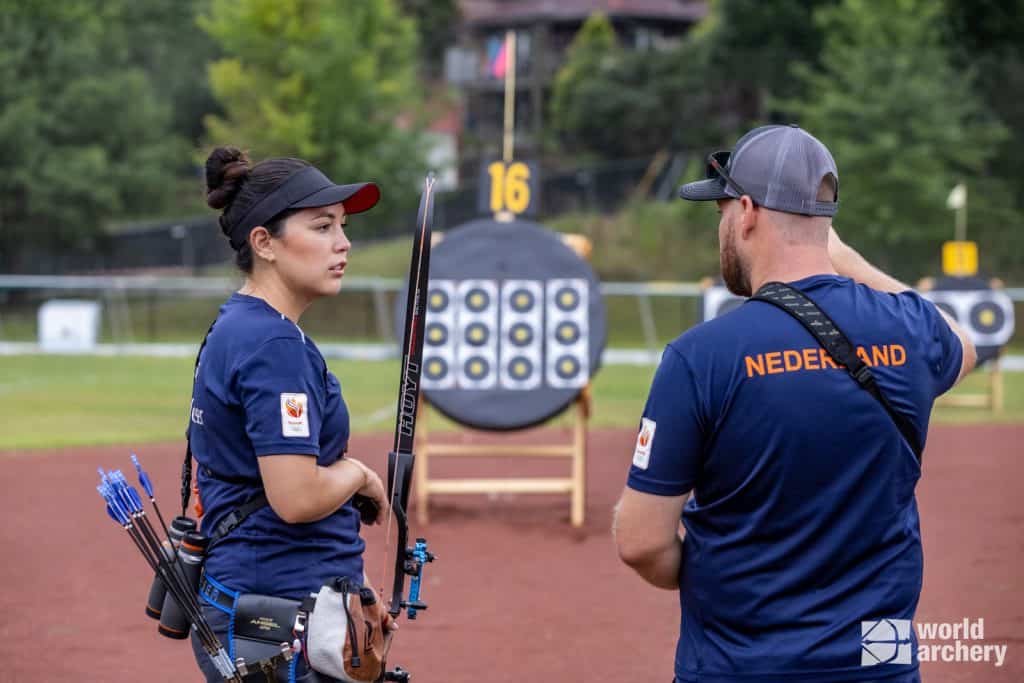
[[510, 186]]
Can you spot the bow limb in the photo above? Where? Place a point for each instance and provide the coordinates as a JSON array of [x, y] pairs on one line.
[[400, 479]]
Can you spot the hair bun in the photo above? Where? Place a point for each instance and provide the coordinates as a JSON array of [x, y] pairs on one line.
[[226, 170]]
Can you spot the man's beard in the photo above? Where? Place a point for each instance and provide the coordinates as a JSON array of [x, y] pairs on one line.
[[734, 271]]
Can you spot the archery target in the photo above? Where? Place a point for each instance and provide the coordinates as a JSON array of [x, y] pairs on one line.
[[476, 352], [515, 325], [986, 314], [567, 358], [522, 319], [718, 300], [439, 325]]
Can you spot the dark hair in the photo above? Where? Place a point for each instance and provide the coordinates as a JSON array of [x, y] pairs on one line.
[[235, 186]]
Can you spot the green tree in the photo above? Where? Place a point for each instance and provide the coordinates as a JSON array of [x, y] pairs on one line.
[[751, 46], [587, 77], [162, 38], [610, 103], [84, 136], [330, 81], [436, 21], [903, 124], [987, 36]]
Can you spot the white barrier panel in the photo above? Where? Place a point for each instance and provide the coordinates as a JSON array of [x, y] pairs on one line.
[[69, 325]]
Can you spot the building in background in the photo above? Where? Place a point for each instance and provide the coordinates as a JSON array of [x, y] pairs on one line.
[[476, 64]]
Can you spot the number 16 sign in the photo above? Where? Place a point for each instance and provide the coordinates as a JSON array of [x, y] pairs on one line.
[[508, 188]]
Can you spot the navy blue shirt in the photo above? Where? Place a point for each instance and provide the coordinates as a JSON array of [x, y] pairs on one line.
[[803, 522], [262, 388]]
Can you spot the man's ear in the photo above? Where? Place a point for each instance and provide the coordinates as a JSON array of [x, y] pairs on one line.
[[261, 243], [748, 216]]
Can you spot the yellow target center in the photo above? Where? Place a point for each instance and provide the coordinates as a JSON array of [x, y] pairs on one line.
[[521, 334], [519, 369], [568, 299], [476, 334], [437, 301], [434, 368], [476, 301], [987, 318], [436, 335], [568, 367], [476, 368], [522, 301]]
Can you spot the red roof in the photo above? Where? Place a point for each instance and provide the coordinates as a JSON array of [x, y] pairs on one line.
[[503, 12]]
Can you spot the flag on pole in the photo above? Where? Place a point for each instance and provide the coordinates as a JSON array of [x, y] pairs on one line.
[[497, 57], [957, 198]]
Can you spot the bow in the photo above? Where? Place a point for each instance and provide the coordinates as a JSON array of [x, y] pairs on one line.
[[410, 561]]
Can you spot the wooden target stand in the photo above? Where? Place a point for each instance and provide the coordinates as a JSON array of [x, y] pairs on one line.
[[575, 450], [991, 398]]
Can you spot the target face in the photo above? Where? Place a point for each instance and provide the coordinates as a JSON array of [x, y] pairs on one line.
[[717, 300], [515, 325], [438, 351], [985, 314]]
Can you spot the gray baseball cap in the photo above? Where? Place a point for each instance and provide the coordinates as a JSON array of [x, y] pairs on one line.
[[779, 167]]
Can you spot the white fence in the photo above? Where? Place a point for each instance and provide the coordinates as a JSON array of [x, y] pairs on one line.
[[115, 290]]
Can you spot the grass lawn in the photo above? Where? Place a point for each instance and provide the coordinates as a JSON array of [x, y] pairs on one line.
[[59, 401]]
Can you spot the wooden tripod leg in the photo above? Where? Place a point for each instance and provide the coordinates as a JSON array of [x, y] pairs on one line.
[[579, 471], [996, 386]]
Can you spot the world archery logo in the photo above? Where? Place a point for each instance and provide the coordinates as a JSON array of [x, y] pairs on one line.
[[293, 407], [885, 641]]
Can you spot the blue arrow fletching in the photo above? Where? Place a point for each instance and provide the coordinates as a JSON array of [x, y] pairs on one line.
[[114, 516], [143, 477], [136, 500]]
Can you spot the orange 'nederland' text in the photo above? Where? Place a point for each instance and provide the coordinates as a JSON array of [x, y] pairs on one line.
[[793, 360]]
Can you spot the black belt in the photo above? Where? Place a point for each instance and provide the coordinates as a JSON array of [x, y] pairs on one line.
[[223, 596], [217, 594]]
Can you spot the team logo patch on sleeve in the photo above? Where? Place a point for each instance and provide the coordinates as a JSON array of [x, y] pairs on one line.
[[644, 440], [294, 415]]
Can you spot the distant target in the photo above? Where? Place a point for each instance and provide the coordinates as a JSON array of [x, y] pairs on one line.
[[567, 367], [717, 300], [477, 300], [435, 369], [437, 300], [522, 300], [567, 333], [476, 367], [567, 299], [520, 368], [477, 334], [437, 334], [987, 317], [948, 309], [986, 314], [521, 334]]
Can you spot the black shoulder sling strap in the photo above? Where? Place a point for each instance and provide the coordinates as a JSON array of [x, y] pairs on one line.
[[235, 518], [832, 339]]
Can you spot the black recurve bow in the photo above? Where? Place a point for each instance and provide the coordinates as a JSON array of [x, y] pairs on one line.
[[409, 561]]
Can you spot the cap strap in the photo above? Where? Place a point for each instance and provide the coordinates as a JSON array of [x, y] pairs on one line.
[[295, 188]]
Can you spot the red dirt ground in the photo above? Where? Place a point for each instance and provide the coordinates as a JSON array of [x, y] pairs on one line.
[[516, 594]]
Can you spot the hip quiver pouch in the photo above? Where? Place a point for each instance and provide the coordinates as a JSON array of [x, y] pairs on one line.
[[347, 636]]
